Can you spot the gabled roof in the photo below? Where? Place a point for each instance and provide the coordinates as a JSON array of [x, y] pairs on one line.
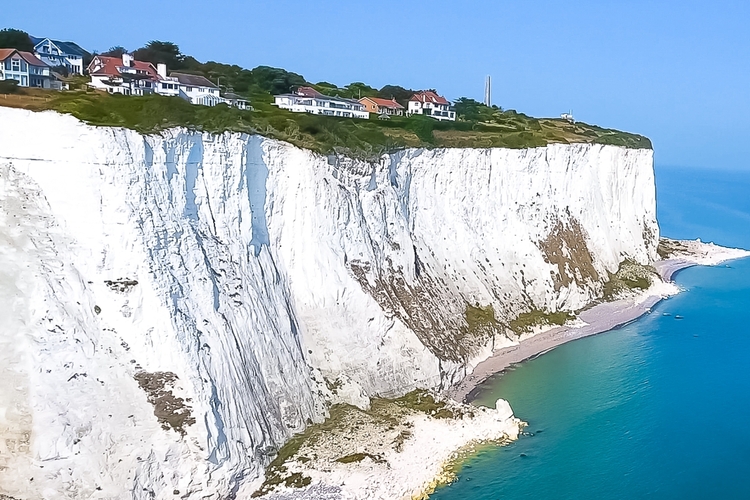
[[26, 56], [71, 48], [429, 96], [308, 92], [111, 67], [193, 80], [384, 103]]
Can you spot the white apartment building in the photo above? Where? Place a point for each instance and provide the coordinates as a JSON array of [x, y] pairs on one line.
[[309, 100]]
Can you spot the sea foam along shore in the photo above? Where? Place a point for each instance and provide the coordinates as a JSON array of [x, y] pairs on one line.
[[603, 316]]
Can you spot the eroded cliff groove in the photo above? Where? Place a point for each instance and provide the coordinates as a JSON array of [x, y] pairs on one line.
[[264, 271]]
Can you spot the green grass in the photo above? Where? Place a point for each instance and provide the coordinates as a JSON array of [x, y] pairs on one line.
[[366, 139], [629, 276], [344, 420], [479, 318], [424, 402], [525, 322]]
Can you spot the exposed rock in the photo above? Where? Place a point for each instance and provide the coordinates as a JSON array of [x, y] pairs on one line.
[[262, 272]]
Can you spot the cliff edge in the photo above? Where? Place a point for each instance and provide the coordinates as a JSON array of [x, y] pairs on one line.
[[185, 302]]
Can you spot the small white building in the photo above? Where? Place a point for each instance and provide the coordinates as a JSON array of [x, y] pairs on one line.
[[56, 53], [309, 100], [568, 117], [429, 103]]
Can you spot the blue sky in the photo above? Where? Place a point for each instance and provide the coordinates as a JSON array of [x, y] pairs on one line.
[[676, 71]]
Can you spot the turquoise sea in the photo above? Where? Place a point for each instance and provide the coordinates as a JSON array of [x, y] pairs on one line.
[[659, 408]]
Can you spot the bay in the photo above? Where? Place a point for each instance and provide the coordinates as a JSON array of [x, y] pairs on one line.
[[655, 409]]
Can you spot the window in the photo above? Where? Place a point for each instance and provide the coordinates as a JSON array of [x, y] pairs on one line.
[[188, 89], [15, 64]]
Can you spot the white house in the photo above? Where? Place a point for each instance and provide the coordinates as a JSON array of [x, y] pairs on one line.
[[309, 100], [24, 67], [123, 75], [195, 89], [430, 104], [56, 53], [130, 77]]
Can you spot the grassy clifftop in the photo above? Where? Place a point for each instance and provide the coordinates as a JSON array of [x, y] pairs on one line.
[[490, 127]]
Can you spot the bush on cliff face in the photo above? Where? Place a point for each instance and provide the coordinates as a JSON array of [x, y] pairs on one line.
[[526, 322], [630, 276], [8, 86], [422, 126]]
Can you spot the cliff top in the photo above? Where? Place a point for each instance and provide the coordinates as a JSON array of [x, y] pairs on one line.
[[484, 127]]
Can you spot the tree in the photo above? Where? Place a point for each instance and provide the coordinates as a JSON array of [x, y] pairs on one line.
[[8, 86], [116, 51], [397, 92], [276, 80], [157, 52], [358, 89], [15, 39], [472, 110]]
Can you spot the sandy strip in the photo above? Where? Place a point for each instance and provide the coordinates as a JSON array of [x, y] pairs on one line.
[[599, 318]]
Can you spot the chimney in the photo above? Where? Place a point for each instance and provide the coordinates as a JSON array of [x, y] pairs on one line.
[[161, 68], [127, 60]]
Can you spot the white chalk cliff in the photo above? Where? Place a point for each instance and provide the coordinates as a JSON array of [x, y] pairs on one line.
[[176, 306]]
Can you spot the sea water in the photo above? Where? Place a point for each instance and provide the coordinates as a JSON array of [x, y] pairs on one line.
[[659, 408]]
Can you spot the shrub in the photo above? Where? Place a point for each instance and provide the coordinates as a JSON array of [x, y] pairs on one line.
[[423, 127], [8, 86]]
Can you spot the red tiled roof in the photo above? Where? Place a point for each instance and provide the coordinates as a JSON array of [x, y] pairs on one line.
[[429, 96], [111, 67], [308, 92], [385, 103], [27, 56]]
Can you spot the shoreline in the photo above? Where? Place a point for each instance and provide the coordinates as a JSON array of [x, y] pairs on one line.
[[600, 318], [369, 455]]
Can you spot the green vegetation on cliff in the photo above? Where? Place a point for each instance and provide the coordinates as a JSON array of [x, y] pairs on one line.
[[478, 126], [630, 276], [526, 322], [360, 138]]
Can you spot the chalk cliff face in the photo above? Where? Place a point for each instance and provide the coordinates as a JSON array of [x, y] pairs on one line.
[[184, 303]]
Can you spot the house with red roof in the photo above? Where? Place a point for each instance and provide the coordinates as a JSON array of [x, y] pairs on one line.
[[388, 107], [24, 67], [130, 77], [429, 103], [123, 75]]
